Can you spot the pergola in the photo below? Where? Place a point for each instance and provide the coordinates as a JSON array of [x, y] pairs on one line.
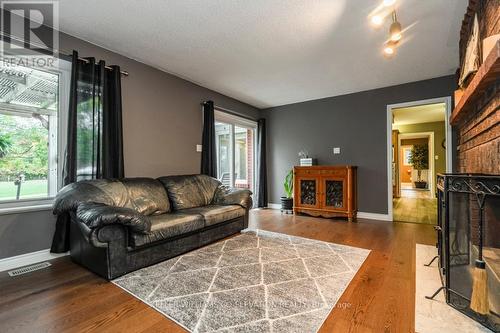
[[28, 90]]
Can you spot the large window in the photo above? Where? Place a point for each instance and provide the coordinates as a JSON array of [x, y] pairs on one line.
[[32, 130], [235, 142]]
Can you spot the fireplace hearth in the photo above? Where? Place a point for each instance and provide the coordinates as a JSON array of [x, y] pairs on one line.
[[469, 222]]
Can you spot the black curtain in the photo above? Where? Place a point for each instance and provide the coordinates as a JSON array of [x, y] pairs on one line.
[[95, 138], [261, 186], [208, 153]]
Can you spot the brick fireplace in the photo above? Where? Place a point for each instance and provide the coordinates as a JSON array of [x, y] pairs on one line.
[[476, 122]]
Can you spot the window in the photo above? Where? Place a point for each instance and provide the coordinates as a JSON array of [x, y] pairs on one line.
[[406, 156], [235, 142], [33, 104]]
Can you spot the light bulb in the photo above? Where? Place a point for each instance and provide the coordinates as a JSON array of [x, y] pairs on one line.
[[377, 20], [388, 3], [389, 50]]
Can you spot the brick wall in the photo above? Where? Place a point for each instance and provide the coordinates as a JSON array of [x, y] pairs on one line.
[[478, 132], [479, 136]]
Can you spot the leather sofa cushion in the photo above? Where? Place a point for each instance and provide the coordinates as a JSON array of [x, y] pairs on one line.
[[96, 215], [214, 214], [168, 225], [190, 190], [147, 196], [105, 191]]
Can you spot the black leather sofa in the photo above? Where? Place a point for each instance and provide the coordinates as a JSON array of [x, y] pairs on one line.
[[118, 226]]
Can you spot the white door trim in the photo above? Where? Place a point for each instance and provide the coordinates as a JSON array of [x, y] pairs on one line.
[[390, 107]]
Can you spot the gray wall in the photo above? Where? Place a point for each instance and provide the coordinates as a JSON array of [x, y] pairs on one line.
[[356, 123], [162, 123]]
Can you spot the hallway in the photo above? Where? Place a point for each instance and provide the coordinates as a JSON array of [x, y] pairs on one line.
[[415, 206]]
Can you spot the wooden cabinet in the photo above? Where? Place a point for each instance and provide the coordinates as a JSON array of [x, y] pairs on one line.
[[328, 191]]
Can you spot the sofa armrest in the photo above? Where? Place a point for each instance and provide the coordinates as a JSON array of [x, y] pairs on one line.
[[233, 196], [96, 215]]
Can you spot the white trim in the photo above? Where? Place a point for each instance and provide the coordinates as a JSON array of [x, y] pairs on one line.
[[57, 144], [273, 205], [447, 101], [28, 205], [232, 121], [28, 259], [373, 216], [362, 215], [432, 168], [240, 121]]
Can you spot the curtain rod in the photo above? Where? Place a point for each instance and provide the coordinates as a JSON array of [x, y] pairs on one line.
[[124, 73], [60, 52]]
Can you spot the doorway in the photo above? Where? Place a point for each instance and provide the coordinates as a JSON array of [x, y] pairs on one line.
[[235, 147], [419, 137]]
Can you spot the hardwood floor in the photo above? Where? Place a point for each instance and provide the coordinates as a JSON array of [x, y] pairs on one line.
[[415, 210], [381, 298]]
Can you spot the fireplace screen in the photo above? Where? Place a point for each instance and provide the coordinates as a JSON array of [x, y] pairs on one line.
[[469, 218]]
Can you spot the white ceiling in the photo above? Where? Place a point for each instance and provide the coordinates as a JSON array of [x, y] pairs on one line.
[[419, 114], [273, 52]]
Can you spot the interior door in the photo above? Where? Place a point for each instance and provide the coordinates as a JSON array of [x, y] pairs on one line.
[[333, 193]]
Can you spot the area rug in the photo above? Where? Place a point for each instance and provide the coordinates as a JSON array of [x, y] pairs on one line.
[[435, 316], [257, 281]]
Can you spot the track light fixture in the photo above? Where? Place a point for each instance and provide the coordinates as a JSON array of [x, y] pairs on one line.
[[395, 29]]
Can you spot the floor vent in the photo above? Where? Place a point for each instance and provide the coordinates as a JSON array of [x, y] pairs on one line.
[[29, 269]]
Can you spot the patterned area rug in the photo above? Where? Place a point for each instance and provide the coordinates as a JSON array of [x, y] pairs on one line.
[[257, 281]]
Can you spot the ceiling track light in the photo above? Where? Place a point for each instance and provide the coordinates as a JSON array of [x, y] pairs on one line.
[[395, 29]]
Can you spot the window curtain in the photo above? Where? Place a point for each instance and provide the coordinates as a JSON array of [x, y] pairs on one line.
[[95, 138], [261, 185], [208, 153]]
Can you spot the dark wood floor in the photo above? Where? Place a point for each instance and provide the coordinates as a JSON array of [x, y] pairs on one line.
[[381, 298]]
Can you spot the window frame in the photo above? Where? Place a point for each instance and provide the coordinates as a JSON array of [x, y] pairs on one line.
[[235, 120], [57, 147]]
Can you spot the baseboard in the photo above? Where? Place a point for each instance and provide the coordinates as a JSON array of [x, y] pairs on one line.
[[28, 259], [374, 216], [362, 215], [274, 205]]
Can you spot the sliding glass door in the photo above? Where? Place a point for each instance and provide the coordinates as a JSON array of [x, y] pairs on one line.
[[235, 143]]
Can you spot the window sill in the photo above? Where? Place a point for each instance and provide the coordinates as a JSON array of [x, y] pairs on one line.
[[25, 207]]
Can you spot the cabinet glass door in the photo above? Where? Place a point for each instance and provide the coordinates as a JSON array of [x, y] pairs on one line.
[[308, 189], [333, 193]]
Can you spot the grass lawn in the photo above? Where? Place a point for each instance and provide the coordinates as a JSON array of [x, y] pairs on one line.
[[29, 188]]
